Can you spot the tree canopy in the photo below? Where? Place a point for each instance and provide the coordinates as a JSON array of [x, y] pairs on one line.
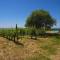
[[40, 19]]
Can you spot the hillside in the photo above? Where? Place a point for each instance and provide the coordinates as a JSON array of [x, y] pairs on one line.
[[41, 49]]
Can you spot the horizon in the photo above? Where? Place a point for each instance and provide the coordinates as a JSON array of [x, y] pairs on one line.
[[14, 12]]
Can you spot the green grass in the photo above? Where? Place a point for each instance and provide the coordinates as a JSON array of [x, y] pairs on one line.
[[56, 40], [50, 49], [38, 57]]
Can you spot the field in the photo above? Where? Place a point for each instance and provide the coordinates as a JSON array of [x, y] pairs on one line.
[[41, 49]]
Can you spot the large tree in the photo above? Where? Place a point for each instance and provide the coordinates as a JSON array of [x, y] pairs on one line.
[[40, 19]]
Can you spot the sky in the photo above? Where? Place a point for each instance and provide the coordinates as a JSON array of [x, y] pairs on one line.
[[14, 12]]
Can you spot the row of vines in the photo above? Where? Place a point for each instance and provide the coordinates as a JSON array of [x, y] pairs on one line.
[[16, 33]]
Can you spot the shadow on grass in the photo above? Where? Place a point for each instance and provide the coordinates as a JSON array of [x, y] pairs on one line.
[[18, 43]]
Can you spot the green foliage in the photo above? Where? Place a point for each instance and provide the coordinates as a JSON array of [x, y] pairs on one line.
[[56, 40], [11, 34], [33, 33], [22, 32], [40, 19]]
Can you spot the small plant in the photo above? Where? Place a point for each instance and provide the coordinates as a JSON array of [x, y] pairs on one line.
[[33, 33]]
